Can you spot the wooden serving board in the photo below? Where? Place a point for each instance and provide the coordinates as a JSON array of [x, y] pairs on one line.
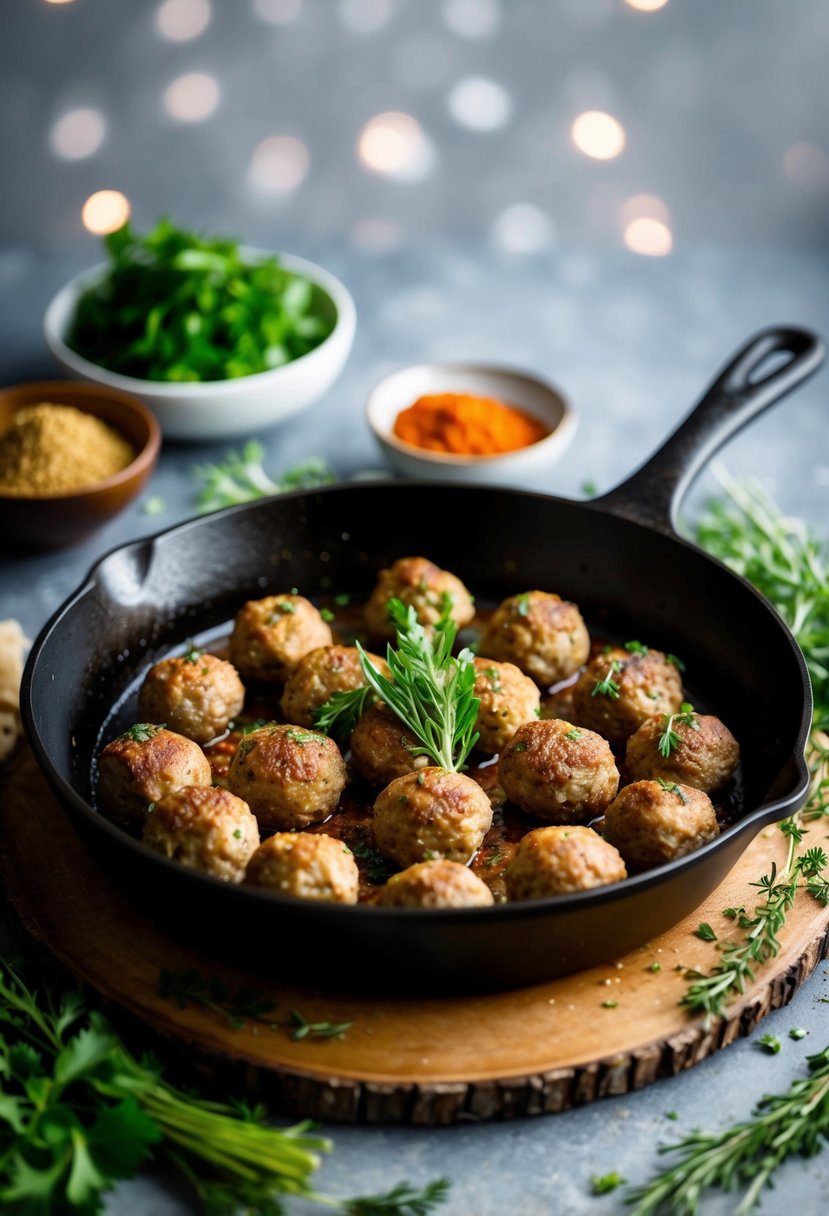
[[429, 1061]]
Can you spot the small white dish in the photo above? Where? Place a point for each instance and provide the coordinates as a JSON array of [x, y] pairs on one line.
[[527, 392], [219, 409]]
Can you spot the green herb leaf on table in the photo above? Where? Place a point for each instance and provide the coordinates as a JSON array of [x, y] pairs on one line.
[[235, 1005], [176, 306], [603, 1184], [746, 1155], [303, 1029], [241, 477], [401, 1200]]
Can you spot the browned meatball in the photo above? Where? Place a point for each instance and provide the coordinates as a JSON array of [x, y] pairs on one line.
[[539, 632], [508, 699], [618, 691], [206, 829], [704, 754], [290, 777], [307, 866], [381, 747], [196, 695], [320, 674], [556, 861], [420, 583], [435, 884], [558, 772], [270, 636], [142, 766], [651, 822], [431, 814]]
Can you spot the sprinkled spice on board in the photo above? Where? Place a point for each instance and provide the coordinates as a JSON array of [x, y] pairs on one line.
[[466, 425], [55, 449]]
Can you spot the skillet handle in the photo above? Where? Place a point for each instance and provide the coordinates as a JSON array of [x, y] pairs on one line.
[[652, 495]]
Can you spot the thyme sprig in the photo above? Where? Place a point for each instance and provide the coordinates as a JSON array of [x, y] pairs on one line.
[[795, 1123], [235, 1005]]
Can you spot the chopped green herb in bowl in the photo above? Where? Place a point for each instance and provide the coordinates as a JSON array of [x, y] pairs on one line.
[[218, 339]]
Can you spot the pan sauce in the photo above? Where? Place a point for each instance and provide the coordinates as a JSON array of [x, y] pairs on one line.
[[352, 821]]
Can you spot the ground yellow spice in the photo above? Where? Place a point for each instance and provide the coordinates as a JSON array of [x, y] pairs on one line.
[[55, 449]]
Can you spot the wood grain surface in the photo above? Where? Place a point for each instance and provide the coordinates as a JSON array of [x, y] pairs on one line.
[[430, 1061]]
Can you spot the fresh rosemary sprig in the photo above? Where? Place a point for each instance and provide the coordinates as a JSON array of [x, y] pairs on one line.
[[241, 477], [431, 691], [235, 1005], [670, 739], [342, 711], [746, 1155]]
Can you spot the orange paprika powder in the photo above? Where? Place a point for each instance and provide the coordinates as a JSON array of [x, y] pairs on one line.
[[467, 425]]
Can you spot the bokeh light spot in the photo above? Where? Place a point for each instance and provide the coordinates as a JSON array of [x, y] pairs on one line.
[[279, 165], [644, 206], [105, 211], [192, 97], [396, 145], [647, 6], [808, 167], [181, 20], [649, 236], [523, 228], [598, 134], [78, 133], [365, 16], [277, 12], [480, 104], [472, 18]]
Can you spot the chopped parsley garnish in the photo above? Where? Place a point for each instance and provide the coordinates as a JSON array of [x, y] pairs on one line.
[[142, 732], [303, 1029], [610, 1004], [603, 1184], [638, 648], [669, 740], [705, 933], [327, 615], [300, 736], [675, 661], [769, 1043], [522, 603], [574, 734], [608, 686], [671, 787], [288, 607], [342, 600], [491, 674], [797, 1033]]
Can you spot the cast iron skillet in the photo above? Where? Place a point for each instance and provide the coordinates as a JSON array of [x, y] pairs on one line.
[[617, 557]]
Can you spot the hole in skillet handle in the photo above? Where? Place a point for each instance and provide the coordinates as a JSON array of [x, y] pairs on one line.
[[770, 365]]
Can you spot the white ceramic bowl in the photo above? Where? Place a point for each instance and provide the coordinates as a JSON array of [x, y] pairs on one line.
[[527, 392], [219, 409]]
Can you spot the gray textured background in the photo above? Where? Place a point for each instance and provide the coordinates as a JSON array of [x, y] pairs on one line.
[[724, 105]]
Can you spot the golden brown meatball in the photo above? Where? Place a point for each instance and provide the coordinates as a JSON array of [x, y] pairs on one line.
[[508, 699], [290, 777], [270, 636], [541, 633], [618, 691], [420, 583], [320, 674], [142, 766], [651, 822], [556, 861], [196, 695], [206, 829], [381, 747], [704, 754], [431, 814], [435, 884], [558, 772], [307, 866]]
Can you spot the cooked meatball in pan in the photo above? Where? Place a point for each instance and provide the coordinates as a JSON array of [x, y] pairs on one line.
[[306, 865], [382, 748], [701, 751], [619, 690], [196, 695], [435, 884], [142, 766], [508, 700], [420, 584], [270, 636], [320, 674], [540, 633], [204, 828], [651, 822], [289, 776], [558, 772], [431, 814], [560, 860]]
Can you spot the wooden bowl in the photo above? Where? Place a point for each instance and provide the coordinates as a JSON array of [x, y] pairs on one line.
[[54, 521]]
